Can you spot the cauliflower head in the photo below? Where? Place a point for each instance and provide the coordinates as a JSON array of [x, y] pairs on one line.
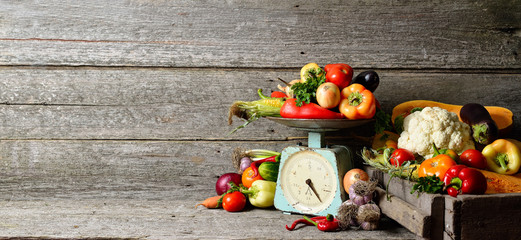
[[434, 125]]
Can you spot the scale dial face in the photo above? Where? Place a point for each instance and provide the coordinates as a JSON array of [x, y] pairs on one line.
[[308, 181]]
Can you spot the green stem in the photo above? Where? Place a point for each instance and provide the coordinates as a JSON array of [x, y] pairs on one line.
[[309, 220], [480, 132], [436, 150], [502, 159], [355, 99], [456, 183], [262, 96]]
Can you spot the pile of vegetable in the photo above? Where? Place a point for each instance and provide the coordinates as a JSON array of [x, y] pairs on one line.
[[447, 152], [254, 185], [328, 93], [254, 182], [442, 148]]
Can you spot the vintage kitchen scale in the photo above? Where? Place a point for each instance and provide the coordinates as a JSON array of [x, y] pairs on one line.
[[310, 179]]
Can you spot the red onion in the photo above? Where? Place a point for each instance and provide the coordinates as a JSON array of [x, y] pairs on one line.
[[221, 186]]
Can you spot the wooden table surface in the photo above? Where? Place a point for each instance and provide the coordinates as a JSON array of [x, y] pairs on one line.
[[114, 114]]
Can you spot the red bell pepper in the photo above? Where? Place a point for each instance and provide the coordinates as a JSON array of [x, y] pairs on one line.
[[307, 111], [462, 179], [340, 74]]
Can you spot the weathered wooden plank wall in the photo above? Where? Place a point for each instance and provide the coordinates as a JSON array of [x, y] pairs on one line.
[[113, 114]]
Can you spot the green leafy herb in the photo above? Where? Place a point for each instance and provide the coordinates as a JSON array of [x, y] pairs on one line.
[[383, 121], [429, 184], [305, 92]]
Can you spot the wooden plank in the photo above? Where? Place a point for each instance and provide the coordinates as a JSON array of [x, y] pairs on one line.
[[160, 219], [429, 206], [408, 215], [377, 33], [107, 103], [494, 216], [135, 189], [452, 227], [125, 169]]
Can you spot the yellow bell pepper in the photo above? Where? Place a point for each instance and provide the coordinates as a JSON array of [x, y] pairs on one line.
[[503, 157], [261, 193]]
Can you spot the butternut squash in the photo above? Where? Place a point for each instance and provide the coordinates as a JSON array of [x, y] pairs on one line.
[[502, 116], [384, 139], [500, 183]]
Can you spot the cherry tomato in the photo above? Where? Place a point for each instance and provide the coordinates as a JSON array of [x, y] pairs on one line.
[[278, 94], [234, 201], [400, 156], [248, 177], [473, 158]]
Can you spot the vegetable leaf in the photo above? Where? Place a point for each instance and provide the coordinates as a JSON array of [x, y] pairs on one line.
[[429, 184], [383, 121], [305, 92]]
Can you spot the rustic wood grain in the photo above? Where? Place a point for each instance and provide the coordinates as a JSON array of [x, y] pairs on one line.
[[422, 214], [137, 103], [113, 115], [142, 190], [126, 169], [161, 219], [488, 217], [408, 215], [379, 33]]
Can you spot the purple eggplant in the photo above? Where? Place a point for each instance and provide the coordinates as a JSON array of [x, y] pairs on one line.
[[484, 129], [368, 79]]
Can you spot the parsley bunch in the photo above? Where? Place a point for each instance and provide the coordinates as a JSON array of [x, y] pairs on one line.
[[429, 184], [305, 92]]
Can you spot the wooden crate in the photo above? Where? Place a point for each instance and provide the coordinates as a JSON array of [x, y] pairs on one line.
[[437, 216]]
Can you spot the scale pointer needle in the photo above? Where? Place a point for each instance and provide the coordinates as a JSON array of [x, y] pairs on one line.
[[310, 184]]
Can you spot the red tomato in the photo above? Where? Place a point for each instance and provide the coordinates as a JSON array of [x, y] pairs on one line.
[[248, 177], [277, 94], [400, 156], [473, 158], [436, 166], [234, 201], [340, 74]]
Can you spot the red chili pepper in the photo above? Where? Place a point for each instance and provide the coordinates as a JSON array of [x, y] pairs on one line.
[[303, 220], [255, 164], [464, 180], [307, 111], [328, 224]]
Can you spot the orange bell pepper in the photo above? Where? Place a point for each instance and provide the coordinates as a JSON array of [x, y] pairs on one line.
[[437, 165], [357, 102]]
